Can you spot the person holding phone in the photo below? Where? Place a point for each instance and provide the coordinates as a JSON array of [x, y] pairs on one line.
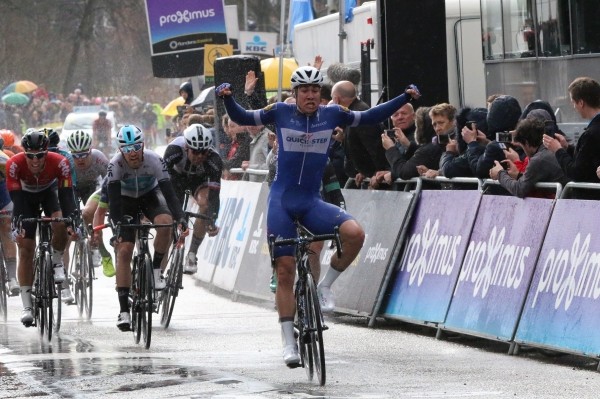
[[542, 165]]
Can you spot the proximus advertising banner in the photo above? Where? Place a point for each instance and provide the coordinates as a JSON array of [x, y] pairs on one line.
[[428, 271], [563, 304], [498, 266]]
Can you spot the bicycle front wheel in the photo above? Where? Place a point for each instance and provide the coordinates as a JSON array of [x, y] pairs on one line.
[[46, 296], [174, 280], [306, 357], [136, 294], [87, 277], [315, 323], [3, 291], [147, 299]]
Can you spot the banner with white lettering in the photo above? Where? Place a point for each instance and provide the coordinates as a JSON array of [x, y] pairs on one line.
[[498, 266], [382, 215], [255, 272], [219, 257], [563, 304], [426, 275]]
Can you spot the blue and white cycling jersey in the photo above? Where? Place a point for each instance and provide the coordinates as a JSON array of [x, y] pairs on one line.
[[304, 142]]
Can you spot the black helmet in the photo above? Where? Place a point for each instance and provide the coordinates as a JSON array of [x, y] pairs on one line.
[[35, 140], [53, 136]]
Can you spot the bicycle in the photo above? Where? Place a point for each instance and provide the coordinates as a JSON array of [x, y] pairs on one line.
[[174, 274], [45, 293], [141, 293], [309, 318], [3, 279], [81, 273]]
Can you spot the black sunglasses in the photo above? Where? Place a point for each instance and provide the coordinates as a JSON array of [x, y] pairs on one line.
[[36, 155]]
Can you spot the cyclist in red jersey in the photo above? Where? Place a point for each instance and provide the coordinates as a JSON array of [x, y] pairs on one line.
[[38, 179]]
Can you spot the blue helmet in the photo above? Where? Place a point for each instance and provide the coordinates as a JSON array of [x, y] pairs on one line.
[[130, 134]]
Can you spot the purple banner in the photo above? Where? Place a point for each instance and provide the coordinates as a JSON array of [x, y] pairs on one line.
[[498, 265], [563, 305], [428, 271], [185, 25]]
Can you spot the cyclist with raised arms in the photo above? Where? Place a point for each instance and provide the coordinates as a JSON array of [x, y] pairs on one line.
[[304, 134], [91, 166], [38, 178], [138, 180], [195, 165]]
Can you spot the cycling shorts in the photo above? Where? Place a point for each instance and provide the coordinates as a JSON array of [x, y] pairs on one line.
[[46, 199], [151, 204], [318, 216], [99, 197]]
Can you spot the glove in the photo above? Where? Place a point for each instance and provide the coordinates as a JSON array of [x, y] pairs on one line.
[[416, 89], [183, 223], [221, 87], [14, 234]]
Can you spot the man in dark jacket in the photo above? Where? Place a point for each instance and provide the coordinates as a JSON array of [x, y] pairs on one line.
[[582, 165], [362, 144]]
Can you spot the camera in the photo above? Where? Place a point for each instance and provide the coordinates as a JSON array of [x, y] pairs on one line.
[[504, 137], [471, 125], [391, 133], [444, 139]]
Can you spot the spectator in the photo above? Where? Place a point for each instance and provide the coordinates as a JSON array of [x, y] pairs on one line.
[[239, 150], [503, 116], [258, 149], [463, 152], [404, 119], [148, 119], [542, 165], [101, 134], [186, 91], [362, 146], [427, 155], [582, 165]]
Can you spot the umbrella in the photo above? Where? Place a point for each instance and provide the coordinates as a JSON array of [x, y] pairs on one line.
[[206, 96], [171, 108], [22, 86], [270, 67], [15, 99]]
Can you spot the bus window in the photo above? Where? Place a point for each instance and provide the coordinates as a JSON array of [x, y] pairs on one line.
[[553, 25], [585, 15], [491, 25], [519, 29]]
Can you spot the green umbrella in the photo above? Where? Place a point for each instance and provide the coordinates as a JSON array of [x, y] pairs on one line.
[[15, 99]]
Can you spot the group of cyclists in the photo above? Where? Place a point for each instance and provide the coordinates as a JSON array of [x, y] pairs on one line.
[[44, 178], [138, 181]]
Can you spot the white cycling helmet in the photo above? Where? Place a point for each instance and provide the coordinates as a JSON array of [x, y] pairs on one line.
[[79, 141], [129, 134], [306, 75], [197, 137]]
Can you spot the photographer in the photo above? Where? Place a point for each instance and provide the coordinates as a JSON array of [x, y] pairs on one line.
[[542, 165]]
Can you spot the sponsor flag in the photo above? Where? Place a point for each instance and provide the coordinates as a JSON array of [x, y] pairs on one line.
[[300, 11]]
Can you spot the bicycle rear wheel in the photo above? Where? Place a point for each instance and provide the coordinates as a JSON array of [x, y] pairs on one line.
[[315, 322], [147, 300], [174, 279], [135, 292], [3, 291]]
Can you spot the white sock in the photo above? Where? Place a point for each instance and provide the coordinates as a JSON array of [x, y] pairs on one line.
[[329, 277], [57, 257], [287, 332], [26, 296]]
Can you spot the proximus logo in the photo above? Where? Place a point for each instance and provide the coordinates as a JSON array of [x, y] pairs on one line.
[[430, 253], [185, 16]]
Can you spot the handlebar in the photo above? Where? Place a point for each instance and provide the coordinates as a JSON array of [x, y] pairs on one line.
[[307, 237]]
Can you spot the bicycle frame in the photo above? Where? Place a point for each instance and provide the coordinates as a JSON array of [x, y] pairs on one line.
[[44, 288], [309, 318]]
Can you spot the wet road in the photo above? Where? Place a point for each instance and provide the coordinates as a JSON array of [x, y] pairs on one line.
[[219, 348]]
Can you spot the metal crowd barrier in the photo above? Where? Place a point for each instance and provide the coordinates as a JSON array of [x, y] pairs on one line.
[[249, 171]]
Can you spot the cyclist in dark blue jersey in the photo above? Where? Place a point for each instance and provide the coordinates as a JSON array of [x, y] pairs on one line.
[[304, 135]]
